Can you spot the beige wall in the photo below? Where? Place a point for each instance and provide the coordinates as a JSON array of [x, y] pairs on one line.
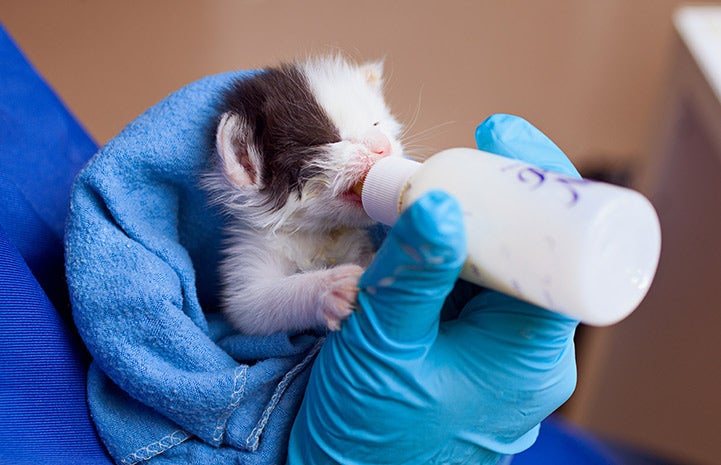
[[654, 379], [589, 73]]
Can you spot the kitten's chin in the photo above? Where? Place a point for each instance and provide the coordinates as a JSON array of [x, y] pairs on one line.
[[353, 214], [352, 198]]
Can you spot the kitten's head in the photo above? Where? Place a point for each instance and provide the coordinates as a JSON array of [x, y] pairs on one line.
[[294, 140]]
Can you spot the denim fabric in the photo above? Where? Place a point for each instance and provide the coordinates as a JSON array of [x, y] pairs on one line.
[[43, 412]]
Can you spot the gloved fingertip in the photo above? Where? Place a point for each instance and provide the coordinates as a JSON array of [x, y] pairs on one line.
[[491, 132], [403, 289], [563, 166], [498, 132], [514, 137], [434, 227], [427, 245]]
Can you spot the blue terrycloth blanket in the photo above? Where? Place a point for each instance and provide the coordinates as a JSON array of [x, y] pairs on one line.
[[170, 381]]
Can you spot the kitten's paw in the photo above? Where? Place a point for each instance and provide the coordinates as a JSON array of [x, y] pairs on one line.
[[341, 294]]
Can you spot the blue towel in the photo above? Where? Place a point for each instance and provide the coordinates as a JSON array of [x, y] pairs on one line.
[[170, 381]]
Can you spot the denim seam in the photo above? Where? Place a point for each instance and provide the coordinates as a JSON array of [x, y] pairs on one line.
[[253, 440], [155, 448], [239, 380]]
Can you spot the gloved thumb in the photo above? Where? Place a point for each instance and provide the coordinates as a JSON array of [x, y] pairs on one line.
[[403, 290], [514, 137]]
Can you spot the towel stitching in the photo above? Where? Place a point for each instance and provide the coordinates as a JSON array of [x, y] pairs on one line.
[[236, 396], [253, 440], [156, 448]]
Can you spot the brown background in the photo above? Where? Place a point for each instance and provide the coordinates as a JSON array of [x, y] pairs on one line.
[[589, 73]]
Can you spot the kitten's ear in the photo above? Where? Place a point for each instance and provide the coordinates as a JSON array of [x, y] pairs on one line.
[[241, 160], [373, 72]]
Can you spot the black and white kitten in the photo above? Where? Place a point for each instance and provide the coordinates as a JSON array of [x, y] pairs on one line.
[[292, 142]]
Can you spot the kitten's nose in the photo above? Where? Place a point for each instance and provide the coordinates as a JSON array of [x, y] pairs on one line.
[[377, 142]]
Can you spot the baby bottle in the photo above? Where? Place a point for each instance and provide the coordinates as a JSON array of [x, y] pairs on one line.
[[585, 249]]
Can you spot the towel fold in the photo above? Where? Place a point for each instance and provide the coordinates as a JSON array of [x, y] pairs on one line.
[[170, 382]]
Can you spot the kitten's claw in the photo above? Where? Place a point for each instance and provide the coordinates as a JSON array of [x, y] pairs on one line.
[[341, 294]]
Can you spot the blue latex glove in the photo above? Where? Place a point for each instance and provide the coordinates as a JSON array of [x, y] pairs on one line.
[[398, 386]]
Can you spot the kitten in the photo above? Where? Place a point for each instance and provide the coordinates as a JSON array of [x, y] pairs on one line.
[[292, 142]]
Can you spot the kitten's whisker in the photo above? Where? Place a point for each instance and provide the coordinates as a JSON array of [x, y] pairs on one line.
[[428, 132], [416, 114]]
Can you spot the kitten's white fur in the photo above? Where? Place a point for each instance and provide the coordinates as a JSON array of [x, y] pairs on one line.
[[298, 267]]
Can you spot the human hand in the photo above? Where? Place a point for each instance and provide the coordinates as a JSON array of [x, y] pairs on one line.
[[399, 386]]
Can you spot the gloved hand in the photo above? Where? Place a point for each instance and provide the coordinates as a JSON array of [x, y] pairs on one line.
[[399, 386]]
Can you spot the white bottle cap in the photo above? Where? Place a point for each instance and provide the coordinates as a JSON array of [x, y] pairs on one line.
[[384, 184]]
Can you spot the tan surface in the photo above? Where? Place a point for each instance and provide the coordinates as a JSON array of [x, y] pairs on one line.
[[586, 72], [654, 380]]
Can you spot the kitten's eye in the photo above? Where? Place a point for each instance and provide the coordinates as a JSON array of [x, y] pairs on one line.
[[376, 123]]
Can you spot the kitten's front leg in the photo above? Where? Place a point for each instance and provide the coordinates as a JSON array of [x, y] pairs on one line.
[[264, 304], [341, 285]]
